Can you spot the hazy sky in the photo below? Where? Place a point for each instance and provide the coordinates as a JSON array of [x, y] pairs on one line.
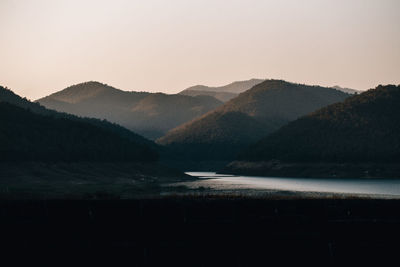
[[167, 45]]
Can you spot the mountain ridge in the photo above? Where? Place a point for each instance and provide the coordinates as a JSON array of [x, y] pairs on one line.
[[345, 131], [7, 95], [223, 93], [149, 114], [267, 106], [233, 87], [31, 132], [346, 90]]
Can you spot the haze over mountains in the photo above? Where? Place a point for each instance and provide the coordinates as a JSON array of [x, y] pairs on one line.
[[363, 130], [229, 91], [222, 96], [221, 133], [149, 114], [346, 90], [223, 93]]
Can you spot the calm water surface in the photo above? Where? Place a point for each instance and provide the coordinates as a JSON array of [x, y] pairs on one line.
[[345, 186]]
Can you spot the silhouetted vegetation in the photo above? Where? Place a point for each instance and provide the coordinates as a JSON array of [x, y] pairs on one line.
[[363, 128]]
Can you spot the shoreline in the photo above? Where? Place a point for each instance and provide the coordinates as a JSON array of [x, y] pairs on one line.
[[276, 168]]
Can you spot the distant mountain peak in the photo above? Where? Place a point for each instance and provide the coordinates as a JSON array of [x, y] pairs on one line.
[[234, 87], [79, 92], [223, 93], [346, 90]]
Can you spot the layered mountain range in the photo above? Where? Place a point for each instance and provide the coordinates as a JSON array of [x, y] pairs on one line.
[[296, 123], [253, 114], [149, 114]]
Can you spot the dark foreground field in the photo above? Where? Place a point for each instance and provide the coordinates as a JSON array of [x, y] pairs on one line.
[[200, 232]]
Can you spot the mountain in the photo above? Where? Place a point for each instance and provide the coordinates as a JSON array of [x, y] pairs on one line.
[[221, 133], [8, 96], [346, 90], [222, 96], [235, 87], [29, 131], [149, 114], [47, 154], [26, 136], [365, 128], [222, 93]]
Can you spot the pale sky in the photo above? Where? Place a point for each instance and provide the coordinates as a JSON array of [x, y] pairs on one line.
[[168, 45]]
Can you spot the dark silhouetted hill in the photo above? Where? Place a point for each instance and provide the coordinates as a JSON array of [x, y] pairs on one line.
[[25, 136], [363, 128], [47, 154], [149, 114], [359, 137], [8, 96], [32, 132], [221, 133]]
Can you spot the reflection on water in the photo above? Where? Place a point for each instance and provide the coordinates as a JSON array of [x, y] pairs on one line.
[[345, 186]]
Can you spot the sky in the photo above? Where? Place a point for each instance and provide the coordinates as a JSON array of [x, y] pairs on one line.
[[166, 46]]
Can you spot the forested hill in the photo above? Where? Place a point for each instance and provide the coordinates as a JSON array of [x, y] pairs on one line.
[[363, 128], [25, 135], [6, 95], [149, 114], [29, 131], [220, 134]]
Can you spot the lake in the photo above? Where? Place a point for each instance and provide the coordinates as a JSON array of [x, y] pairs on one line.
[[373, 187]]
